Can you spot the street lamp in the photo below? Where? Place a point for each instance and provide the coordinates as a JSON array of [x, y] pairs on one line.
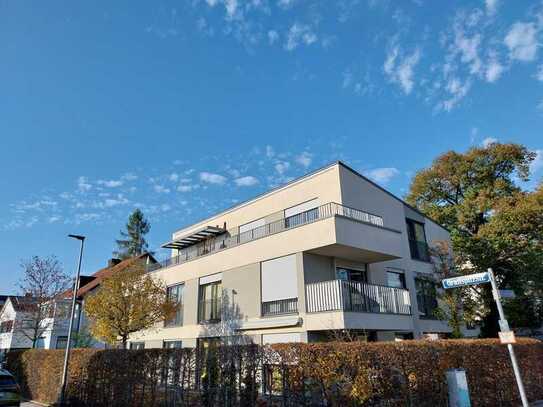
[[72, 313]]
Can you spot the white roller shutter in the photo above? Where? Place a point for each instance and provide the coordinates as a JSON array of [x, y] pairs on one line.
[[303, 207], [211, 278], [279, 279], [252, 225]]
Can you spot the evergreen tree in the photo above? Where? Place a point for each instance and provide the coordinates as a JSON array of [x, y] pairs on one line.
[[132, 242]]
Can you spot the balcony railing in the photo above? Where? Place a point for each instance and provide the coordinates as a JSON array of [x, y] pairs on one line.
[[209, 311], [226, 241], [280, 307], [351, 296]]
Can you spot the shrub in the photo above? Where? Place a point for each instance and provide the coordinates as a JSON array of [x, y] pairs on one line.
[[410, 373]]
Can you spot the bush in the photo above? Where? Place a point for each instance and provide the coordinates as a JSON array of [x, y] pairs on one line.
[[409, 373]]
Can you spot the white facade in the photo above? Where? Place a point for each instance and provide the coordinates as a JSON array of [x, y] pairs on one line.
[[330, 251]]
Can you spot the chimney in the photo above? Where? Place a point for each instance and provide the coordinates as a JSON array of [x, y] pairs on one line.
[[113, 261]]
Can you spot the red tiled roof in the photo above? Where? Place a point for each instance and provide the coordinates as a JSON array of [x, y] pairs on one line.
[[100, 275]]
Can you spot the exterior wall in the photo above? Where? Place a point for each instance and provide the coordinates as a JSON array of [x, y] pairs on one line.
[[323, 185], [319, 247], [15, 339]]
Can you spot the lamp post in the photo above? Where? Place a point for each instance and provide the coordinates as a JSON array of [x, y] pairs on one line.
[[71, 324]]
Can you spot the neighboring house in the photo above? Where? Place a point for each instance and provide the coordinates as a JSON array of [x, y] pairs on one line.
[[54, 332], [328, 252], [13, 314], [58, 338]]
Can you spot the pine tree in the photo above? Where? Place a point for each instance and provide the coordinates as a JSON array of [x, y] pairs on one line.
[[132, 242]]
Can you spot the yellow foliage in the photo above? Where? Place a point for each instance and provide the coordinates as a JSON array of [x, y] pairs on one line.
[[126, 302]]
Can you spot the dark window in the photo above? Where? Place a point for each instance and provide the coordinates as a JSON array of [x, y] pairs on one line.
[[7, 381], [6, 327], [172, 345], [346, 274], [395, 279], [210, 302], [137, 345], [426, 298], [175, 294], [61, 342], [417, 240]]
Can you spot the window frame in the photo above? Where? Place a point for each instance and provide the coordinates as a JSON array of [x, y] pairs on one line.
[[176, 320], [402, 279], [418, 249]]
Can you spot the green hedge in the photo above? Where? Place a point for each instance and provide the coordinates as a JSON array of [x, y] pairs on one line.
[[409, 373]]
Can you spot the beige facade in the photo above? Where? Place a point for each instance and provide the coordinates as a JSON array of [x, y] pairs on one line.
[[317, 255]]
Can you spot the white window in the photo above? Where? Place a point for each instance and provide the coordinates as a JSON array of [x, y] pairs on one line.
[[279, 279]]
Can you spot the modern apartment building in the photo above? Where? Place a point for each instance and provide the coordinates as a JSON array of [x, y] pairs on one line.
[[328, 252]]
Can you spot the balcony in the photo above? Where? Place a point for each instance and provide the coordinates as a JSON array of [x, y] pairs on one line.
[[350, 296], [225, 241], [280, 307]]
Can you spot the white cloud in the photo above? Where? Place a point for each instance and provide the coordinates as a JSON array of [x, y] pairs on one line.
[[382, 175], [522, 41], [161, 189], [493, 70], [247, 181], [83, 185], [285, 3], [212, 3], [108, 203], [298, 34], [110, 183], [488, 141], [53, 219], [537, 163], [273, 36], [211, 178], [281, 167], [491, 6], [174, 177], [401, 71], [184, 188], [456, 90], [304, 159], [129, 177], [231, 7], [270, 151]]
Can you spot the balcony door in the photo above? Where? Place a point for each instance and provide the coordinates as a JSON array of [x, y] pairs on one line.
[[210, 301]]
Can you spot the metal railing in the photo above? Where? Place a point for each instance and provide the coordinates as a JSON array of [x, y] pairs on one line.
[[226, 241], [280, 307], [351, 296], [209, 310]]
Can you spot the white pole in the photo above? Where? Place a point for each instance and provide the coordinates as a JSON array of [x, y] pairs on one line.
[[71, 323], [496, 295]]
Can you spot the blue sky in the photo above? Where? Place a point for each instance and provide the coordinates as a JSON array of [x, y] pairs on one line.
[[182, 108]]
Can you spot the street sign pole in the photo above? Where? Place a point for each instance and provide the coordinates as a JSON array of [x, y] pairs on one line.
[[504, 327]]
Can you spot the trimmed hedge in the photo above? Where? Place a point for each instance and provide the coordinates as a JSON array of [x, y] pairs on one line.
[[409, 373]]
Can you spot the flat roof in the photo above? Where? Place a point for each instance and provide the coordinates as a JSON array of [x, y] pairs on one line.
[[299, 179]]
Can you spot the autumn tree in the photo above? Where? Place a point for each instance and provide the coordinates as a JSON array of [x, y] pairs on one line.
[[132, 242], [454, 305], [475, 195], [128, 301], [42, 284]]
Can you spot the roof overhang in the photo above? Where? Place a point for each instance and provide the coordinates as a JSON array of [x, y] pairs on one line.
[[194, 237]]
